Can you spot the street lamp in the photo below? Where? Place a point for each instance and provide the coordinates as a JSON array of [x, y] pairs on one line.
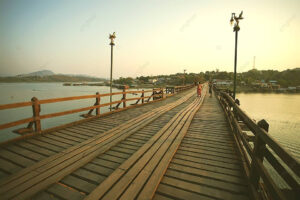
[[111, 37], [236, 29]]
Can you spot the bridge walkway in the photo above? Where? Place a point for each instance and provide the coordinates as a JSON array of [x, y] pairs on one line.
[[24, 153], [173, 149], [206, 165]]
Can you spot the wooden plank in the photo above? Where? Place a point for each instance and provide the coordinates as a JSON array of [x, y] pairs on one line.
[[15, 105], [113, 158], [208, 156], [60, 139], [25, 152], [15, 158], [161, 197], [140, 138], [78, 184], [207, 144], [123, 150], [89, 176], [136, 141], [15, 123], [211, 152], [177, 193], [35, 148], [105, 163], [45, 196], [98, 127], [202, 159], [65, 192], [208, 147], [89, 131], [9, 167], [45, 145], [3, 174], [73, 132], [218, 137], [209, 174], [56, 144], [118, 154], [209, 167], [203, 190], [99, 169], [211, 141], [200, 180], [134, 144], [74, 137], [123, 145]]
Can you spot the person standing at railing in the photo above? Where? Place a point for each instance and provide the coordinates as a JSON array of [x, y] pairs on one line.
[[199, 90]]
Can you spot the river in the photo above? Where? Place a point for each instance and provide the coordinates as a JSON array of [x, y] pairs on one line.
[[21, 92], [281, 111]]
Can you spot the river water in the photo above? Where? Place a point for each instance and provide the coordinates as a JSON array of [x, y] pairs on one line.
[[22, 92], [281, 111]]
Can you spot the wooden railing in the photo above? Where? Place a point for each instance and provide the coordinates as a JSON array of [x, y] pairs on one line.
[[34, 122], [175, 89], [258, 149]]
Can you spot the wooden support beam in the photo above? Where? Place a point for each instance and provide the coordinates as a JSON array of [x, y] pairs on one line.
[[36, 109], [97, 103]]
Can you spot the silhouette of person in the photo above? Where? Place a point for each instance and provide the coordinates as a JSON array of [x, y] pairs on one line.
[[199, 90], [210, 89]]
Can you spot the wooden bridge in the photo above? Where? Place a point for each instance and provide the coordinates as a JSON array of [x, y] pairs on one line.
[[169, 144]]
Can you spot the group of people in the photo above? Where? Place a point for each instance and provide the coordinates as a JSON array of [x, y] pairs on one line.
[[199, 89]]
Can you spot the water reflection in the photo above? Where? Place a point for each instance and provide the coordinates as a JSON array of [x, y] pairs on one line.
[[282, 112]]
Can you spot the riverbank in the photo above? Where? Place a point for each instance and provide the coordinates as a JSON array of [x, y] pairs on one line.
[[118, 86], [245, 89]]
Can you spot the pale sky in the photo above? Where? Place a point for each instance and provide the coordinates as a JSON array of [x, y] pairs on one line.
[[153, 36]]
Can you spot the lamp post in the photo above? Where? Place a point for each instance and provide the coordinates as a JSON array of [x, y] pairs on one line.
[[111, 37], [236, 29]]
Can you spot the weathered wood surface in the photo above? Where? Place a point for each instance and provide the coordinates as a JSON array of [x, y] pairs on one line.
[[206, 165], [46, 145], [29, 178], [173, 149]]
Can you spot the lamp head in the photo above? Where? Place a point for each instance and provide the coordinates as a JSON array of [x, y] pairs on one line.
[[112, 37], [232, 19]]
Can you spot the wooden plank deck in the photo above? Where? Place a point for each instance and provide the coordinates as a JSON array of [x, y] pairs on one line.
[[206, 165], [173, 149], [21, 154]]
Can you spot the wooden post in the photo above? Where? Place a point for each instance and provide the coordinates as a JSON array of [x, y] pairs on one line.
[[258, 153], [153, 97], [36, 109], [143, 95], [124, 95], [97, 103]]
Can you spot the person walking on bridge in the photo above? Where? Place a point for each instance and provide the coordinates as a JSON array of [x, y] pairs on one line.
[[199, 90], [210, 89]]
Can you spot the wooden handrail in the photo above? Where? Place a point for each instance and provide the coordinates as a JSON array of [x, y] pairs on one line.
[[36, 104], [15, 105], [264, 146]]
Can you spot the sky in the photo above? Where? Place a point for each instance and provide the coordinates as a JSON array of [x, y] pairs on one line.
[[153, 37]]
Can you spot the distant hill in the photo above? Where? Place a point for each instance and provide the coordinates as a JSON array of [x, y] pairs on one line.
[[49, 76], [38, 73]]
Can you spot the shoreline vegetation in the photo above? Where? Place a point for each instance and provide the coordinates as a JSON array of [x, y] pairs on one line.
[[49, 78], [252, 81]]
